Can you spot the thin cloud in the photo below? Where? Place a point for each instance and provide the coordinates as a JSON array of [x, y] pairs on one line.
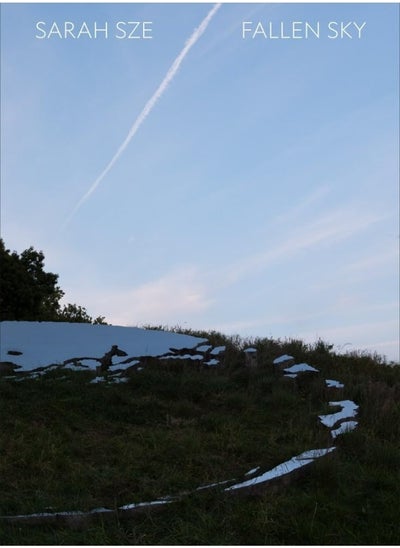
[[330, 228], [172, 71], [308, 203], [370, 264], [169, 299]]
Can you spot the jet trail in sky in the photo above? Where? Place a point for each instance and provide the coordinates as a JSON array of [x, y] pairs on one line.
[[197, 33]]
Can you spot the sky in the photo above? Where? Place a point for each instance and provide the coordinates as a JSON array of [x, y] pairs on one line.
[[205, 179]]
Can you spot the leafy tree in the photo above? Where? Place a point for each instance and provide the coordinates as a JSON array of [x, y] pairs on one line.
[[77, 314], [28, 292]]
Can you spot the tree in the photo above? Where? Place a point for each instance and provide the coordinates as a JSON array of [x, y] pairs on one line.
[[77, 314], [28, 292]]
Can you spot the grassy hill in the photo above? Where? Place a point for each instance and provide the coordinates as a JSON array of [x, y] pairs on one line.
[[68, 444]]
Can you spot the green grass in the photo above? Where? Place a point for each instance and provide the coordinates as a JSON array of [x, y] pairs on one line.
[[66, 444]]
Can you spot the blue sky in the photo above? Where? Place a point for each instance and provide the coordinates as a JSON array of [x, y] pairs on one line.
[[259, 196]]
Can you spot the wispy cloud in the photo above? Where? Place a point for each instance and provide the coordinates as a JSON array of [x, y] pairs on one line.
[[309, 202], [170, 299], [172, 71], [371, 267], [328, 228], [371, 263]]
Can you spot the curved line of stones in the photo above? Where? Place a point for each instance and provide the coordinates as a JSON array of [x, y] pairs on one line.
[[279, 476]]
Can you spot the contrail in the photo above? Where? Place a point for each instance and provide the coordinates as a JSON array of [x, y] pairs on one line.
[[149, 106]]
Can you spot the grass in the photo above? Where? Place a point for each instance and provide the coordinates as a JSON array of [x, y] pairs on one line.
[[67, 444]]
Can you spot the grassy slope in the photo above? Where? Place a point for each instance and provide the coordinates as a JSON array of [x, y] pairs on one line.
[[69, 445]]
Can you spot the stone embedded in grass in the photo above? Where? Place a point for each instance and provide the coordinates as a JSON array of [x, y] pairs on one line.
[[346, 426], [349, 410], [96, 380], [135, 505], [333, 384], [212, 362], [283, 469], [218, 350], [300, 368], [283, 361], [203, 348], [211, 485], [252, 471]]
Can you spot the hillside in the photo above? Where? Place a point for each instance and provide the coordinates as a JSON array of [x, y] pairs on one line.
[[145, 436]]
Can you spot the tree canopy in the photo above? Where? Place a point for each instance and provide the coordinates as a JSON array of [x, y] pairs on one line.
[[28, 292]]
